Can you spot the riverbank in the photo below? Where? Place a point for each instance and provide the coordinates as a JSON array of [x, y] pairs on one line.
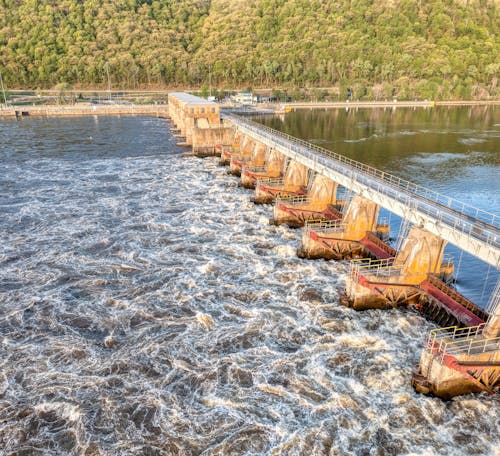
[[161, 110], [286, 107]]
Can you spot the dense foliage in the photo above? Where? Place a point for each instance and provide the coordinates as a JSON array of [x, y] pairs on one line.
[[404, 48]]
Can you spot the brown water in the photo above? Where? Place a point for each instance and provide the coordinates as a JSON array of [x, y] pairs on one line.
[[147, 308]]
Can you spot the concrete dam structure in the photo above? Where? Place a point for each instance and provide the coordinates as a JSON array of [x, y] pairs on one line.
[[303, 181]]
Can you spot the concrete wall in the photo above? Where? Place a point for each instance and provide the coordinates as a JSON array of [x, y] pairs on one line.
[[421, 253], [82, 109], [297, 175], [188, 112], [210, 137], [323, 193], [360, 216], [446, 382]]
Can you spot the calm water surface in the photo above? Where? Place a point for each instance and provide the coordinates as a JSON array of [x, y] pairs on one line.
[[146, 307], [453, 151]]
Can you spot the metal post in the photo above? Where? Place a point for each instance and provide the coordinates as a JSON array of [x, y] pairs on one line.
[[109, 81]]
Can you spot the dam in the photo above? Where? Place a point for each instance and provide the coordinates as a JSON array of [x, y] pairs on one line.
[[145, 296], [303, 181]]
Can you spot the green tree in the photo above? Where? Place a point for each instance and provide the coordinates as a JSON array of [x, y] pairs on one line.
[[63, 91], [293, 43]]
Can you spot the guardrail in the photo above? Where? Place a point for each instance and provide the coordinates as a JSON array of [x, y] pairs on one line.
[[271, 181], [376, 268], [294, 201], [325, 226], [385, 267], [299, 200], [254, 169], [468, 220], [493, 306], [455, 341]]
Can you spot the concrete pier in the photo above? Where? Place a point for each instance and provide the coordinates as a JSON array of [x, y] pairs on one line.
[[245, 150], [226, 150], [272, 169], [294, 183], [256, 160], [204, 140], [341, 239], [199, 123], [319, 203], [390, 282], [387, 284], [459, 361]]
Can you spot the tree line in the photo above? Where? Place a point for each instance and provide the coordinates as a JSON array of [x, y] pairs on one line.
[[436, 49]]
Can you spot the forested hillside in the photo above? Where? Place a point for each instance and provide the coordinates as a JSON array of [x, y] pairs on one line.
[[405, 48]]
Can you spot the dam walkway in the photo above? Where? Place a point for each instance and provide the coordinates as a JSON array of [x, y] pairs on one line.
[[472, 230]]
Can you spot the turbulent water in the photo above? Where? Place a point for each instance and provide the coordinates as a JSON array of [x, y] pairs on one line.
[[147, 307]]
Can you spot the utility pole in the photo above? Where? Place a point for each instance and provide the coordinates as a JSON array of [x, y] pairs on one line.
[[3, 90], [109, 81]]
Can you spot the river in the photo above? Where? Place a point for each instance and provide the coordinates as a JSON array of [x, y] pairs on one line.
[[147, 308]]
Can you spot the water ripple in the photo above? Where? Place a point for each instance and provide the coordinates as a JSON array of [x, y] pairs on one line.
[[146, 307]]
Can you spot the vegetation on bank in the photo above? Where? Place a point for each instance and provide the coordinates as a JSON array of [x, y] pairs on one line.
[[436, 49]]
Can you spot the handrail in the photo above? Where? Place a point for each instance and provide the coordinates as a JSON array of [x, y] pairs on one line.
[[379, 268], [454, 332], [470, 346], [439, 337], [371, 262], [295, 200], [473, 222], [384, 268], [454, 340], [448, 259], [254, 169], [493, 306], [224, 147], [323, 225], [271, 181]]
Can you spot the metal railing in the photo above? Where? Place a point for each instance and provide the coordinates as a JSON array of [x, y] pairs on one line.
[[272, 181], [493, 306], [325, 226], [375, 268], [300, 200], [384, 267], [294, 201], [468, 220], [224, 147], [254, 169], [455, 341]]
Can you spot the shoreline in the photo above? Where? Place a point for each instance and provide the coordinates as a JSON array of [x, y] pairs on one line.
[[286, 107], [161, 110]]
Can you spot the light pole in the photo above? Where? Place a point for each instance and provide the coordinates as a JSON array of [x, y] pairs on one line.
[[3, 90]]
